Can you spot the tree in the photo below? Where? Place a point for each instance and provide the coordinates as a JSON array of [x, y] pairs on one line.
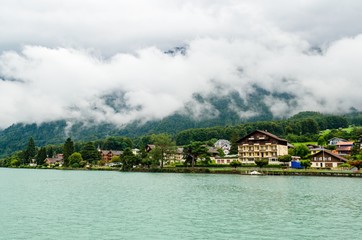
[[129, 160], [305, 163], [261, 162], [146, 162], [235, 164], [14, 162], [68, 149], [116, 159], [322, 141], [193, 151], [145, 158], [234, 144], [117, 143], [285, 159], [301, 151], [75, 160], [41, 156], [50, 152], [30, 151], [90, 153], [164, 146], [356, 163]]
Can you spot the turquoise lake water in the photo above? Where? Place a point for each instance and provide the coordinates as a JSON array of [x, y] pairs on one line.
[[51, 204]]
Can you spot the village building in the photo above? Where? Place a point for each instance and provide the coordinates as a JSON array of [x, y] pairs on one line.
[[55, 161], [315, 150], [227, 159], [107, 155], [344, 148], [224, 145], [326, 159], [177, 156], [150, 147], [335, 140], [261, 145]]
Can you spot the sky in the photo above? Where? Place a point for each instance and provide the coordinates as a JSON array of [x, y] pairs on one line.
[[60, 59]]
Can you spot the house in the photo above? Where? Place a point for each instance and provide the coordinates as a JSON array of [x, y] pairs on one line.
[[149, 147], [344, 148], [226, 159], [33, 163], [54, 161], [315, 150], [326, 159], [177, 156], [135, 151], [107, 155], [213, 152], [311, 146], [335, 140], [261, 145], [224, 145]]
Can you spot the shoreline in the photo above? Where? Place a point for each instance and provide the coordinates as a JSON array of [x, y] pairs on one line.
[[205, 170]]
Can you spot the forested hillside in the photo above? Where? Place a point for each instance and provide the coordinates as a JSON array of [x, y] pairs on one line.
[[301, 127]]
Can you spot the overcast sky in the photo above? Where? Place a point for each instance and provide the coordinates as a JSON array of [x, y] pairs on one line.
[[58, 59]]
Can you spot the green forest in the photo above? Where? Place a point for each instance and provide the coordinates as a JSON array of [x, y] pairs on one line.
[[302, 127]]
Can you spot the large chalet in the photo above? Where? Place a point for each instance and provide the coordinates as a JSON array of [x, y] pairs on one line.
[[261, 145]]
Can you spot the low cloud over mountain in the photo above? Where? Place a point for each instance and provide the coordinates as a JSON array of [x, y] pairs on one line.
[[116, 62]]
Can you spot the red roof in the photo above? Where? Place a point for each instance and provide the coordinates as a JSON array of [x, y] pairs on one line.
[[344, 144]]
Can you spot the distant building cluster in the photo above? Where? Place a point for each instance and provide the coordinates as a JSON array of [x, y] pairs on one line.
[[254, 146]]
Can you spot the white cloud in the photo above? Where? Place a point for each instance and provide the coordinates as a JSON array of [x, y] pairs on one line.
[[63, 57]]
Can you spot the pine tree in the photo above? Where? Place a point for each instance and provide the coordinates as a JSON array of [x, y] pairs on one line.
[[50, 152], [41, 156], [68, 149], [90, 153], [30, 151], [234, 144]]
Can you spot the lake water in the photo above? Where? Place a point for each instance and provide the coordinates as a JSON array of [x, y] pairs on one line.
[[51, 204]]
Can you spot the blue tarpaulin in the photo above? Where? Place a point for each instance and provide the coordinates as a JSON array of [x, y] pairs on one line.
[[295, 164]]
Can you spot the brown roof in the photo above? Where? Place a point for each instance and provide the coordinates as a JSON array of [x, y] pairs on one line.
[[53, 160], [345, 149], [266, 133], [332, 154]]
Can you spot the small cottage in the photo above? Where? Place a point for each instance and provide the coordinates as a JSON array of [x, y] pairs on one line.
[[326, 159]]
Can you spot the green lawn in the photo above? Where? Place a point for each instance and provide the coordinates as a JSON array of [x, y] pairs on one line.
[[305, 143], [348, 130]]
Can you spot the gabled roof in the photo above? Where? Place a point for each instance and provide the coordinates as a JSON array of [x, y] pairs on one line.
[[263, 132], [330, 153], [344, 143], [344, 148], [317, 149], [114, 152], [337, 138]]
